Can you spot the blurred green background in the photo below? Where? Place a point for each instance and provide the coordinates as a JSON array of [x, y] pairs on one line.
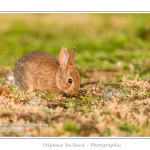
[[110, 42]]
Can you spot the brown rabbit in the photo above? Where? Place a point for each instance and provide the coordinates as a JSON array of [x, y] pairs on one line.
[[41, 71]]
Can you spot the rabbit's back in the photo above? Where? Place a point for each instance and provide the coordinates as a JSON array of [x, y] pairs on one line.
[[35, 71], [38, 57]]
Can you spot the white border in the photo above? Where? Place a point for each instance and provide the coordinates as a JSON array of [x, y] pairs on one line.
[[92, 143], [74, 6]]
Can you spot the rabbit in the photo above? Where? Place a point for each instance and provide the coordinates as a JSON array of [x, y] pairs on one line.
[[40, 71]]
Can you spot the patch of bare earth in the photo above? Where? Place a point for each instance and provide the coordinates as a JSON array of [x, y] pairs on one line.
[[101, 75]]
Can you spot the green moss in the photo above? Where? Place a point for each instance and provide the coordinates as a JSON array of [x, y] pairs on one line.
[[70, 127], [129, 128]]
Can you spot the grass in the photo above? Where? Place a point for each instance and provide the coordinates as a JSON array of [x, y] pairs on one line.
[[112, 49]]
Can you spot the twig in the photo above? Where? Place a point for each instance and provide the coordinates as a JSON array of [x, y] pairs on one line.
[[83, 84]]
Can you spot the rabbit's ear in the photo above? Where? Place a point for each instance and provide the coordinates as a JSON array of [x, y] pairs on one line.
[[63, 57], [72, 56]]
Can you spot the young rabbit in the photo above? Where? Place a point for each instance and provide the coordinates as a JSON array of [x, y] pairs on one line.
[[41, 71]]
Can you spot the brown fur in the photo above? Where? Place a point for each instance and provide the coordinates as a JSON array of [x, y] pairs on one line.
[[40, 71]]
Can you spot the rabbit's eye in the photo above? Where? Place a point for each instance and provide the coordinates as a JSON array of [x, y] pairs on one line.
[[70, 80]]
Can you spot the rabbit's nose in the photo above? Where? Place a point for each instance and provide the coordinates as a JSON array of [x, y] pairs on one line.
[[74, 91]]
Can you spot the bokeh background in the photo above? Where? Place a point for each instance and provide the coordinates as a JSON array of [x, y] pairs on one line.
[[109, 42]]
